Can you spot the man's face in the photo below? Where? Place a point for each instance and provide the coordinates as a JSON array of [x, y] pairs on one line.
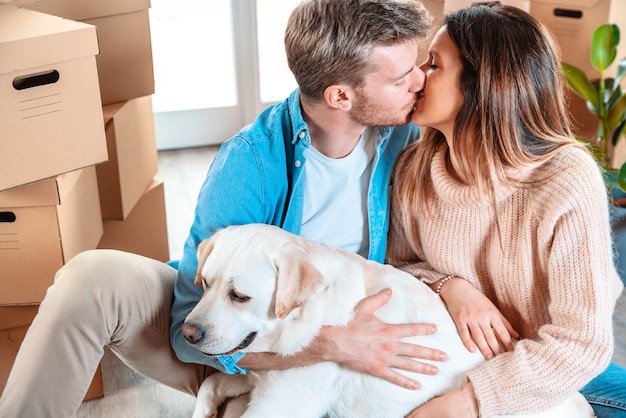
[[387, 96]]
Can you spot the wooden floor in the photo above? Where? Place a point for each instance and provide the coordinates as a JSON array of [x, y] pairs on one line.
[[129, 395]]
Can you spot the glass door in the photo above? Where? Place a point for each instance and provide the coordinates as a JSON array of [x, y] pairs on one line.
[[217, 63]]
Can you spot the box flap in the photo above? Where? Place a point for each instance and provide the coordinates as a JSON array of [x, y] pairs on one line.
[[109, 111], [79, 216], [47, 192], [31, 39], [85, 9], [39, 193]]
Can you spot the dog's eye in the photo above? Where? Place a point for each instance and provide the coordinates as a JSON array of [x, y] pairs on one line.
[[238, 297]]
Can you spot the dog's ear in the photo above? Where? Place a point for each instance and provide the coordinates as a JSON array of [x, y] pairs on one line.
[[297, 280], [204, 249]]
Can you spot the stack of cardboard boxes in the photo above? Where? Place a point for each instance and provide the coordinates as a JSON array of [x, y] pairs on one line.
[[78, 154]]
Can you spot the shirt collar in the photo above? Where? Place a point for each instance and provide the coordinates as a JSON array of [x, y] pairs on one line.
[[301, 130]]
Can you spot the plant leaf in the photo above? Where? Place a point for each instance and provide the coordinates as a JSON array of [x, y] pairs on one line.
[[615, 36], [621, 70], [591, 109], [617, 134], [615, 91], [609, 97], [604, 46], [577, 80], [617, 113]]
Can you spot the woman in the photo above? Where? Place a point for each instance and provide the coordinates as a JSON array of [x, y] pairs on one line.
[[506, 216]]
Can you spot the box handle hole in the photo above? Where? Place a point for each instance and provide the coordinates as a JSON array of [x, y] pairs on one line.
[[34, 80], [6, 217], [574, 14]]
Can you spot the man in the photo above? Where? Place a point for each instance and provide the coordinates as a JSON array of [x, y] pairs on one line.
[[317, 164]]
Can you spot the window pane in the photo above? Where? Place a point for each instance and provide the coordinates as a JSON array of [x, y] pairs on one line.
[[192, 47], [275, 78]]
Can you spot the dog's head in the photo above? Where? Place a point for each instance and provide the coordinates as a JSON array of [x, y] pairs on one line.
[[255, 279]]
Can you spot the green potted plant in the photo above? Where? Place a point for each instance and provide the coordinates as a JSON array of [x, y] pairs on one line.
[[605, 99]]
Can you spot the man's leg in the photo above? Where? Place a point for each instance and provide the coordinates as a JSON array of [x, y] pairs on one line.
[[607, 392], [99, 298]]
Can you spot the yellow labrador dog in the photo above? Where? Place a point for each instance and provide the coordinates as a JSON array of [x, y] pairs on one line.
[[266, 290]]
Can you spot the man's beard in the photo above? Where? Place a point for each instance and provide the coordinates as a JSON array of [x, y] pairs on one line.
[[366, 113]]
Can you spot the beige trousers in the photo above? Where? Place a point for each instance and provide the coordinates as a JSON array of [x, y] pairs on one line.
[[99, 298]]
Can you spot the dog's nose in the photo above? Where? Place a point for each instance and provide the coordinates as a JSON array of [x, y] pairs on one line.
[[193, 333]]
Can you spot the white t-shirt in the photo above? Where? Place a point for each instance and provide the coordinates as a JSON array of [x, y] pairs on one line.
[[335, 196]]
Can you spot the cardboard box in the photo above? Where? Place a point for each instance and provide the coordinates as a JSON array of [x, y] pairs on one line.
[[81, 9], [49, 97], [133, 159], [573, 22], [16, 2], [144, 231], [42, 226], [435, 7], [14, 322], [125, 60], [125, 65]]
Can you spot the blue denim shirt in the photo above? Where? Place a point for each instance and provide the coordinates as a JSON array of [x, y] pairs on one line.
[[257, 177]]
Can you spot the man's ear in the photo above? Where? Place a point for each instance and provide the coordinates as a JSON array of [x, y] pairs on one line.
[[297, 281], [339, 96], [204, 249]]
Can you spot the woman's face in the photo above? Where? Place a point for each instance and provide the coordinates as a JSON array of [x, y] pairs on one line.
[[440, 101]]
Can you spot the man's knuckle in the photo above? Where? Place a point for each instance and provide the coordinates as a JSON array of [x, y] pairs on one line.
[[378, 369], [386, 346]]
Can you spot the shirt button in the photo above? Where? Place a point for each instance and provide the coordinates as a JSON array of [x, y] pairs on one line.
[[297, 163], [301, 135]]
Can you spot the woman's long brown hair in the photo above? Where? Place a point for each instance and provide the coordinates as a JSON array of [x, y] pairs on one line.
[[514, 111]]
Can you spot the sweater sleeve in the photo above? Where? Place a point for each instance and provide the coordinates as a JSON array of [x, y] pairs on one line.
[[545, 260], [404, 250], [575, 342]]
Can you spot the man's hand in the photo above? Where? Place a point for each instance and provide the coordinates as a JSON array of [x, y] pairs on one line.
[[372, 346]]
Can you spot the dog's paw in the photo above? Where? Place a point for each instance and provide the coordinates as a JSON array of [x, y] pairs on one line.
[[204, 410], [207, 402], [216, 389]]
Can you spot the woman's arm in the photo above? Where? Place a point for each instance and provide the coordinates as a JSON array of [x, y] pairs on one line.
[[478, 321]]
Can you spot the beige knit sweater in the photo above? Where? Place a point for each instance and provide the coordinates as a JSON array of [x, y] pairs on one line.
[[549, 270]]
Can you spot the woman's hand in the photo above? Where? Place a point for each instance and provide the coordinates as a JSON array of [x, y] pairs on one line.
[[459, 403], [372, 346], [477, 319]]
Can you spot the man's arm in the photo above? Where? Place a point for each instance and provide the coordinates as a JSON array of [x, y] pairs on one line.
[[231, 195], [366, 344]]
